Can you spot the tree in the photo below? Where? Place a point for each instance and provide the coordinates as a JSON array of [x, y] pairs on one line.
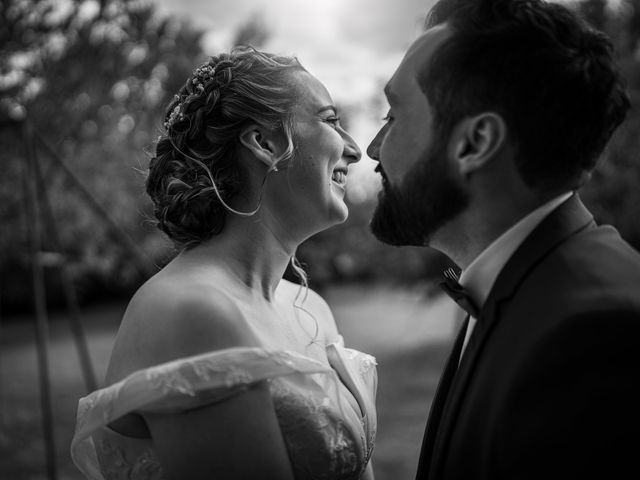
[[613, 192], [253, 32], [92, 79]]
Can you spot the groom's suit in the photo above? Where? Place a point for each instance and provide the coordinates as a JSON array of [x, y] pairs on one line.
[[549, 384]]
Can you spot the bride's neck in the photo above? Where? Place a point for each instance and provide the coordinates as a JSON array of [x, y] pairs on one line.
[[251, 252]]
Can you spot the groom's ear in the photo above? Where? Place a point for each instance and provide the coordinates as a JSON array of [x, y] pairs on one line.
[[261, 143], [476, 141]]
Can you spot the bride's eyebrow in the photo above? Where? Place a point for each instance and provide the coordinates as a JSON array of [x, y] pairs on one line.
[[328, 107]]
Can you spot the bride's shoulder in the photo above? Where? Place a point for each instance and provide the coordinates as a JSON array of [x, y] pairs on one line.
[[169, 319]]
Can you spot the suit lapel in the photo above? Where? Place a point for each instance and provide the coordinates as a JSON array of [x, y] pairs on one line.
[[439, 399], [565, 221]]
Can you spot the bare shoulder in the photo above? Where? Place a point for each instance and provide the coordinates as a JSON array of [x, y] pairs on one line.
[[168, 319], [316, 306]]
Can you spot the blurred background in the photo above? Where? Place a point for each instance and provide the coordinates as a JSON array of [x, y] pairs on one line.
[[83, 87]]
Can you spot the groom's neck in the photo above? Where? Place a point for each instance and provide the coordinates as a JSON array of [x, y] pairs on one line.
[[469, 234]]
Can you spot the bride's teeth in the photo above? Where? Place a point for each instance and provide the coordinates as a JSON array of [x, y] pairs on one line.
[[339, 177]]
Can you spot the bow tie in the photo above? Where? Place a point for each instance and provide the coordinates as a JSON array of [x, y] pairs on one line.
[[457, 292]]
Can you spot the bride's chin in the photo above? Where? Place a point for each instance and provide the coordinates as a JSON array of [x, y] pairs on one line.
[[340, 189], [341, 213]]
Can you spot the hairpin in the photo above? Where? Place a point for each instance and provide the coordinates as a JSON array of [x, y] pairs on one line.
[[176, 114], [201, 76]]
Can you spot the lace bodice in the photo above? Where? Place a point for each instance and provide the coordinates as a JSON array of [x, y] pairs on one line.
[[326, 412]]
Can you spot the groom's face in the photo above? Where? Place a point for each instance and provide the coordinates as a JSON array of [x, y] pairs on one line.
[[421, 190]]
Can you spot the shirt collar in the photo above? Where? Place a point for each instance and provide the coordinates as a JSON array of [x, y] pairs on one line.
[[481, 274]]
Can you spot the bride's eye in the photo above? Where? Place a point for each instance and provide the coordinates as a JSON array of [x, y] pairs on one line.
[[387, 118], [334, 121]]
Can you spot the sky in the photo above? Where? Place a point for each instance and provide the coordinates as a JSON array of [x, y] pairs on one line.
[[346, 43], [352, 46]]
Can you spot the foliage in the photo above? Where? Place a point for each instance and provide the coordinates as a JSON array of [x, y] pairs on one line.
[[92, 80], [253, 32], [613, 193]]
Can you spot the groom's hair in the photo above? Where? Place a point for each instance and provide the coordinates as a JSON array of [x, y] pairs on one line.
[[545, 71]]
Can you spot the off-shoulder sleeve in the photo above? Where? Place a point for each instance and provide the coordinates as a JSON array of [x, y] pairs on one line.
[[309, 404], [188, 383]]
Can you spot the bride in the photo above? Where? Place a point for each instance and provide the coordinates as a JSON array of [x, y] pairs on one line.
[[221, 368]]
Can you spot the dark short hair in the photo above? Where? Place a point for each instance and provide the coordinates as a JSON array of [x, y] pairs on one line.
[[550, 76]]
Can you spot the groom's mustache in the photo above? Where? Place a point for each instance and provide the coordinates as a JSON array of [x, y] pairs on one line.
[[381, 171]]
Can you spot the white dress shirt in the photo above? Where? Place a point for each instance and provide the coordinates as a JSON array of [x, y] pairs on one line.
[[481, 274]]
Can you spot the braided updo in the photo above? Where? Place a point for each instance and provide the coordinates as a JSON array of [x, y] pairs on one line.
[[195, 172]]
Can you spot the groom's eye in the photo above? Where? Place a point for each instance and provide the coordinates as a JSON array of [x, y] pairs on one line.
[[387, 118]]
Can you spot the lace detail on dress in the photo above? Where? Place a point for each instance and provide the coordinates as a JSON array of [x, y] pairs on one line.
[[311, 422], [116, 467], [180, 380], [177, 382], [367, 364], [328, 426], [170, 382]]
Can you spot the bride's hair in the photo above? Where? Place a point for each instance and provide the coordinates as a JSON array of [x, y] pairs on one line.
[[195, 173]]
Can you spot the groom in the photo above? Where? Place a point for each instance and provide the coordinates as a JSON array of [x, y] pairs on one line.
[[498, 113]]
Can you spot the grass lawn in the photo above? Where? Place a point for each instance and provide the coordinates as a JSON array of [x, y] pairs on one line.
[[409, 335]]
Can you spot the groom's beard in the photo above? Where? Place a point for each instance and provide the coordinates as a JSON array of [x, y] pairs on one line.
[[428, 197]]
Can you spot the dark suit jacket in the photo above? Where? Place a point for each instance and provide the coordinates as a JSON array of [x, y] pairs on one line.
[[548, 387]]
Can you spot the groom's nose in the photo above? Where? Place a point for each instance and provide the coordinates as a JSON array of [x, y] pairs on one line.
[[373, 150]]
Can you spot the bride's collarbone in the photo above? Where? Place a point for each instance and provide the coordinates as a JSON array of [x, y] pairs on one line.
[[285, 328]]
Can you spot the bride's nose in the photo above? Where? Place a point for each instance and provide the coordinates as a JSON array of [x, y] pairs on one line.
[[351, 150]]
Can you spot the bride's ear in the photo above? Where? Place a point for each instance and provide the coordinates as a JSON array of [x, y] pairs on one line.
[[261, 144]]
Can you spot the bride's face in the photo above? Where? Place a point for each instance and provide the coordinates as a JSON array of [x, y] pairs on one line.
[[315, 178]]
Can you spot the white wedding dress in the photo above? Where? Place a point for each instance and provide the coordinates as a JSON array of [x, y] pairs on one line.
[[326, 412]]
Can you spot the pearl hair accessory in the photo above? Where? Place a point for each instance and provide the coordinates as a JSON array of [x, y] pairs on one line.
[[201, 76], [176, 114]]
